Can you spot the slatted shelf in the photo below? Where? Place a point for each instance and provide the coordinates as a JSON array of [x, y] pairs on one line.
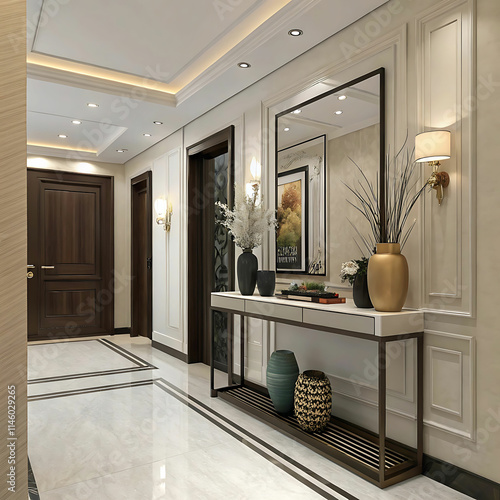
[[338, 440]]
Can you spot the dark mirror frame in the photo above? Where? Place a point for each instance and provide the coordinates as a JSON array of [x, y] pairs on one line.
[[381, 183]]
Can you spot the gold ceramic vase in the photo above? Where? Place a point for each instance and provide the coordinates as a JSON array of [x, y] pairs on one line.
[[388, 278]]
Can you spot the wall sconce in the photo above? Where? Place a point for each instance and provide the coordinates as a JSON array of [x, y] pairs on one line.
[[163, 211], [255, 170], [432, 147]]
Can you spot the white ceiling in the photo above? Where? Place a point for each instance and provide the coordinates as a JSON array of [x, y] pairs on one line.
[[141, 60], [360, 109]]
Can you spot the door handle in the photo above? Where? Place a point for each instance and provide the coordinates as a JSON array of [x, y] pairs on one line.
[[30, 266], [46, 267]]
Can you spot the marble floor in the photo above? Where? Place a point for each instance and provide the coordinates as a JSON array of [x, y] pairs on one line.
[[114, 418]]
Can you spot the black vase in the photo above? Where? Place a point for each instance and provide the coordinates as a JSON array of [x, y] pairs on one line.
[[266, 281], [360, 291], [247, 272]]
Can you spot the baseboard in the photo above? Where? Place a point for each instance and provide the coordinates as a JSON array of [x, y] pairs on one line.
[[170, 351], [460, 480], [122, 331]]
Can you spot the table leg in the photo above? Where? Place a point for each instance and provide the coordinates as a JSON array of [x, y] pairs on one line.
[[382, 417], [420, 399], [213, 392], [242, 349], [230, 354]]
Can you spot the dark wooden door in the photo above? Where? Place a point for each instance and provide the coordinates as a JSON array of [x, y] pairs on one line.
[[71, 255], [142, 282], [210, 248]]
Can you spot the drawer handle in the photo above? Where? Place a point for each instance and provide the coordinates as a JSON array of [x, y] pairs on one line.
[[47, 267]]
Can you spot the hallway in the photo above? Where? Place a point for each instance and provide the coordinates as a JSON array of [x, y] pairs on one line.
[[113, 418]]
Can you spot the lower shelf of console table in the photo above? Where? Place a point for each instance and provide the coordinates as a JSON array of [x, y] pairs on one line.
[[374, 457], [350, 446]]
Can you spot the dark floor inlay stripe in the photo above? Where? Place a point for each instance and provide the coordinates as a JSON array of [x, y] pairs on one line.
[[140, 363], [125, 353], [89, 374], [247, 443], [32, 486], [277, 452], [89, 390]]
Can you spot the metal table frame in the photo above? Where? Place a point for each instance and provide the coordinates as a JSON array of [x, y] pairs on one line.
[[383, 478]]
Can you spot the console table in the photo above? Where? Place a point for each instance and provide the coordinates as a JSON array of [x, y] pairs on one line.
[[374, 457]]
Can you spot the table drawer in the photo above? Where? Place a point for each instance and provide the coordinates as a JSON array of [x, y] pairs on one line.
[[228, 303], [350, 322], [277, 311]]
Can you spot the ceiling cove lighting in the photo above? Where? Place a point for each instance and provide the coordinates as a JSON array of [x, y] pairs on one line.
[[244, 65], [295, 32], [92, 105], [62, 136], [158, 123], [339, 112], [342, 97], [76, 122]]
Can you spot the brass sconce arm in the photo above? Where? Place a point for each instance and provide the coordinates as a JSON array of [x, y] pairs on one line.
[[438, 181]]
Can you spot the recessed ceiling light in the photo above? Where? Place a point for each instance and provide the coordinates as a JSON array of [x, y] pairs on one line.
[[62, 136], [121, 150], [286, 129], [342, 97], [295, 32], [244, 65], [338, 112], [92, 105], [158, 123], [296, 112], [76, 122], [146, 135]]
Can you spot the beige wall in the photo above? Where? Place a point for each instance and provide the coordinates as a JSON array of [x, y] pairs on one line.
[[363, 146], [394, 37], [122, 246], [13, 240]]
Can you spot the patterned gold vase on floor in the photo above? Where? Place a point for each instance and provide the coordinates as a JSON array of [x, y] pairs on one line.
[[388, 278], [313, 400]]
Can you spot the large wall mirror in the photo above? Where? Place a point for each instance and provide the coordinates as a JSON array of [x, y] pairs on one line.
[[319, 143]]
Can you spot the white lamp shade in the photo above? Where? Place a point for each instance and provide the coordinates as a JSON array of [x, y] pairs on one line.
[[161, 207], [433, 146]]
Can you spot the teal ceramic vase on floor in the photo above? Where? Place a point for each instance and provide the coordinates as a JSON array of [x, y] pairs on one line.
[[282, 373]]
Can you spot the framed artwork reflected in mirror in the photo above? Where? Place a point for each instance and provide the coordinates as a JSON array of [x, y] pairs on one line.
[[343, 125]]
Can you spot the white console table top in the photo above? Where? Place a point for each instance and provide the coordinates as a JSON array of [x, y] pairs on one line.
[[341, 316]]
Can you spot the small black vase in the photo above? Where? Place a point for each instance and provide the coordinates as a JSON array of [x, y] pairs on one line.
[[247, 272], [266, 281], [360, 292]]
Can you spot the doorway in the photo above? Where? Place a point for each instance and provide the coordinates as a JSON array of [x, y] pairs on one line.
[[70, 255], [210, 247], [142, 262]]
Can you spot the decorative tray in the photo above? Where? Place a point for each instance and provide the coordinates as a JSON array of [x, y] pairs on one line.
[[313, 296]]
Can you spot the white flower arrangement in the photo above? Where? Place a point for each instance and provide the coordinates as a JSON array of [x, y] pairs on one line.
[[249, 220], [348, 271]]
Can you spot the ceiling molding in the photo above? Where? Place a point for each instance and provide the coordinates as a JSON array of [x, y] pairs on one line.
[[35, 149], [78, 80], [258, 38]]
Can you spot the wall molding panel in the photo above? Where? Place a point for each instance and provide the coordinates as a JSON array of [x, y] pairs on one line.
[[450, 383], [168, 255], [445, 65]]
